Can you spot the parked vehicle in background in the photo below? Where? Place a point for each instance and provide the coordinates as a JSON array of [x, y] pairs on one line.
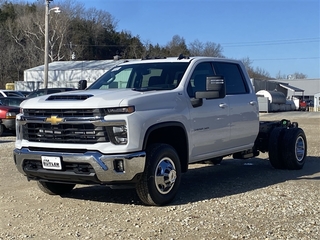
[[7, 93], [46, 91], [303, 105], [25, 93], [11, 101], [8, 118]]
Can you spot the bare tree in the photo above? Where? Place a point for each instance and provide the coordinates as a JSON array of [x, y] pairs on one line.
[[260, 73], [280, 75], [257, 73], [196, 48], [28, 32], [28, 29], [154, 51], [209, 49], [75, 29], [101, 19], [300, 75], [177, 46], [295, 75]]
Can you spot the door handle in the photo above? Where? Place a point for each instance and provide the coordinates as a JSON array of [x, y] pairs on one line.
[[223, 105], [252, 103]]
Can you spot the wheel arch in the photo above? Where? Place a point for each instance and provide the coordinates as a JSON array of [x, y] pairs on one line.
[[172, 133]]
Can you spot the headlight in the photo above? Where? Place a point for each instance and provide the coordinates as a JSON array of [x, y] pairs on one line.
[[118, 134], [117, 129], [120, 110], [10, 115]]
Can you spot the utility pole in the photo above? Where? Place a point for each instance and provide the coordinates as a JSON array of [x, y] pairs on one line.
[[46, 40], [46, 44]]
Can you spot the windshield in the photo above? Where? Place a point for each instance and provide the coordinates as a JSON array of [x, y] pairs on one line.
[[143, 77]]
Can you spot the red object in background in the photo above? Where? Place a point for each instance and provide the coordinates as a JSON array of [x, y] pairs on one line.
[[8, 118], [303, 105]]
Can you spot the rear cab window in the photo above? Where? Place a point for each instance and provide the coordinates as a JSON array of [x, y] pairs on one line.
[[235, 81]]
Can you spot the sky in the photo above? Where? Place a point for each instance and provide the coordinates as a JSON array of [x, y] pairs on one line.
[[278, 36]]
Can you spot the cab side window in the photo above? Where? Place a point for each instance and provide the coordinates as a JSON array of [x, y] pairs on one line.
[[198, 78], [235, 82]]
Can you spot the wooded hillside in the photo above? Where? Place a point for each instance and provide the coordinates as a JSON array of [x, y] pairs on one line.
[[80, 34]]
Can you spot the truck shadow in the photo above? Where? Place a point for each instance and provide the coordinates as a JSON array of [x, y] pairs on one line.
[[240, 176], [204, 182], [8, 133]]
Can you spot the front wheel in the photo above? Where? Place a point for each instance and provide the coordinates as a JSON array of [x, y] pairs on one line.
[[55, 188], [162, 176]]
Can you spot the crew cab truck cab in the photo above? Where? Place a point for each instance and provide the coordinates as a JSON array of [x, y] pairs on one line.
[[143, 122]]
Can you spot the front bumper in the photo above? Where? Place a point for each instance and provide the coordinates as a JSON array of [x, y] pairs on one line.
[[85, 168]]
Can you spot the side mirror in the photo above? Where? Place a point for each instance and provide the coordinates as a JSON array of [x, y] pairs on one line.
[[215, 88], [82, 84]]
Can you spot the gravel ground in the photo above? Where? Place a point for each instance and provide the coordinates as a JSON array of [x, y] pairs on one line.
[[239, 199]]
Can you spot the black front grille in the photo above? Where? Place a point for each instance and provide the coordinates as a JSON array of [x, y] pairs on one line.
[[64, 113], [64, 133], [76, 126]]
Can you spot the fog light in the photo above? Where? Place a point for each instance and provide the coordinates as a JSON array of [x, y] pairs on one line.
[[118, 165]]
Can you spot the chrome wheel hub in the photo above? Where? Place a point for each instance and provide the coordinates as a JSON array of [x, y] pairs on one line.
[[165, 175], [300, 148]]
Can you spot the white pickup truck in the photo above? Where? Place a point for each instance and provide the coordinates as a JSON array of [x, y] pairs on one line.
[[143, 122]]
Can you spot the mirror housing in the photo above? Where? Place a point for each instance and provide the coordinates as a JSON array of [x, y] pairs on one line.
[[82, 84], [215, 88]]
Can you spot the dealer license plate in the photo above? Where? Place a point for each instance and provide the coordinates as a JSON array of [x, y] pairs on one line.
[[49, 162]]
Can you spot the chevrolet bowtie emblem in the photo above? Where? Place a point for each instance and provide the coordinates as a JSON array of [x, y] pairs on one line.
[[54, 120]]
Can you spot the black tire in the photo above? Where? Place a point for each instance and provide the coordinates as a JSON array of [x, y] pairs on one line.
[[294, 150], [1, 129], [274, 148], [55, 188], [160, 181]]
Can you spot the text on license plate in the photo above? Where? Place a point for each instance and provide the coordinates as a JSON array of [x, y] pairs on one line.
[[49, 162]]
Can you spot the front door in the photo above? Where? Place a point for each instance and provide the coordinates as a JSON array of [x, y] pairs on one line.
[[210, 132]]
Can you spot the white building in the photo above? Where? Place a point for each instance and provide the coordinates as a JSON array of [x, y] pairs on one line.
[[65, 73]]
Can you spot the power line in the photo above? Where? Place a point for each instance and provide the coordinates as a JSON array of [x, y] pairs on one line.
[[271, 42], [279, 59]]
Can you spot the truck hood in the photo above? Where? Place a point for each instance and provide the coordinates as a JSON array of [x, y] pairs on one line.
[[89, 99]]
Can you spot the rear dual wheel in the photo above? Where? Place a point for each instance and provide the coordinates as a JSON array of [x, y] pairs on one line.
[[275, 156], [287, 148], [295, 148]]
